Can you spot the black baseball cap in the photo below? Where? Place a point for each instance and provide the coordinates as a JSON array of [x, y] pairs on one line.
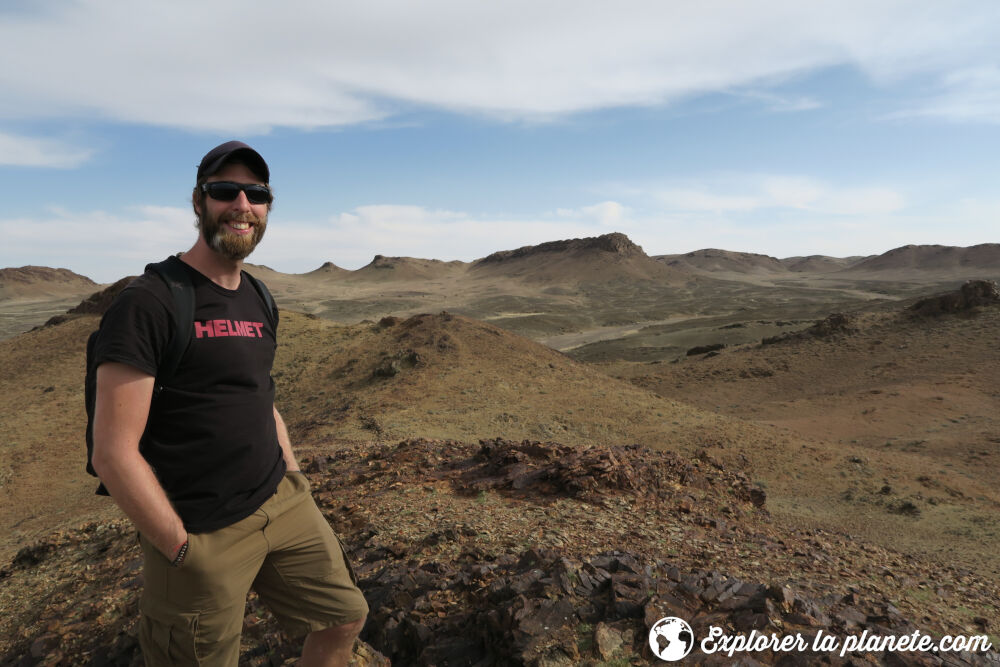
[[223, 153]]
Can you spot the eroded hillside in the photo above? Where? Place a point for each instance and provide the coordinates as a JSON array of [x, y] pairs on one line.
[[896, 411]]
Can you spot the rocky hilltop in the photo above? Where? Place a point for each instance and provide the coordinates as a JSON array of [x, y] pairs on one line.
[[615, 243], [601, 259], [328, 269], [523, 553]]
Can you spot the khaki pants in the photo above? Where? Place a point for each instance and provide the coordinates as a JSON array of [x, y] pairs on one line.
[[285, 551]]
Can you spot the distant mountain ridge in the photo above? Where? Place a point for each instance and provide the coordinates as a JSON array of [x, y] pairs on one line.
[[607, 258], [984, 256], [931, 259], [40, 281]]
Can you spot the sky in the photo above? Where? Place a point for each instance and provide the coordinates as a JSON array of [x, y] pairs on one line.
[[450, 129]]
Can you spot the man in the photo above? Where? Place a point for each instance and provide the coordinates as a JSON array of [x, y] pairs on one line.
[[205, 468]]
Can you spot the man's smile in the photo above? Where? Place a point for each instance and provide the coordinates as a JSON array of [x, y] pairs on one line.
[[239, 227]]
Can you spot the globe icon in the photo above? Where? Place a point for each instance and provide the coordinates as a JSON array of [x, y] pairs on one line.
[[671, 638]]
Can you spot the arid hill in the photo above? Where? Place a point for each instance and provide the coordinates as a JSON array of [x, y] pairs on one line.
[[933, 259], [446, 376], [819, 263], [30, 295], [915, 388], [390, 269], [611, 257], [712, 260], [440, 376], [328, 270], [34, 282]]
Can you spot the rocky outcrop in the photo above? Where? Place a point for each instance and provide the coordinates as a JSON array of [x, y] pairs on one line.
[[832, 325], [95, 304], [99, 302], [705, 349], [615, 243], [540, 607], [973, 294]]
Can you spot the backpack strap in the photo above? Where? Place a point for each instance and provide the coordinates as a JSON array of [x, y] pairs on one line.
[[265, 295], [182, 290]]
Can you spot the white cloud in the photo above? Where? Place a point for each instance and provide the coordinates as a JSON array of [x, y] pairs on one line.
[[608, 214], [226, 66], [20, 151], [97, 244], [967, 95], [699, 199], [782, 103], [747, 193]]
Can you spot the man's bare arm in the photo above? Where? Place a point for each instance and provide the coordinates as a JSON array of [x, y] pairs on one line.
[[123, 398], [286, 444]]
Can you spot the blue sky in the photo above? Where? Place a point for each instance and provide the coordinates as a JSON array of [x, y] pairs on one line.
[[449, 130]]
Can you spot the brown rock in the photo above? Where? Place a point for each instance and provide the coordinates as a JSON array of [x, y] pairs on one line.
[[607, 639], [364, 655]]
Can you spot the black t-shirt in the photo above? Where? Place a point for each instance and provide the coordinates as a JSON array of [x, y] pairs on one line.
[[211, 436]]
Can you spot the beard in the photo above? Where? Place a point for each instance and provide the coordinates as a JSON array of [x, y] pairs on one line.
[[235, 247]]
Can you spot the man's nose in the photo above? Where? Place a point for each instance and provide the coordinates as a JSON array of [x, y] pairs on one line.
[[241, 202]]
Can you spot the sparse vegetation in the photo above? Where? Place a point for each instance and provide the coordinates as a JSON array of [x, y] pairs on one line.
[[876, 445]]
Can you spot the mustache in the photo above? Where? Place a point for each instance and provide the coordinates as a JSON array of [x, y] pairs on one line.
[[245, 216]]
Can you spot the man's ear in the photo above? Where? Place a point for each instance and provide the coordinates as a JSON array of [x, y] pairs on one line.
[[196, 201]]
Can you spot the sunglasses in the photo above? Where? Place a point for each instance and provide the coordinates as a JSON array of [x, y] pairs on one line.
[[228, 191]]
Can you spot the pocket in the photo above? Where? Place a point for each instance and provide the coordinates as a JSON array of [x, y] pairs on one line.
[[168, 639], [347, 560]]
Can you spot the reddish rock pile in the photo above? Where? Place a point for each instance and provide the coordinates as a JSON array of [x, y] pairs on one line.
[[453, 546], [591, 473], [542, 608]]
